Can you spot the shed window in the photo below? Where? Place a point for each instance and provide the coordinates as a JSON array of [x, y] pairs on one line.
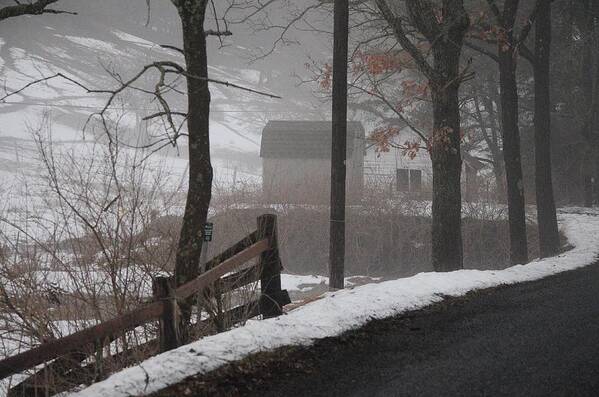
[[409, 180], [403, 180], [415, 180]]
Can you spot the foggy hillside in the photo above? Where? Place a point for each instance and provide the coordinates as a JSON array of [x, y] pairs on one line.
[[119, 37]]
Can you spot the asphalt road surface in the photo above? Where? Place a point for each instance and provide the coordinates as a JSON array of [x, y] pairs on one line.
[[534, 339]]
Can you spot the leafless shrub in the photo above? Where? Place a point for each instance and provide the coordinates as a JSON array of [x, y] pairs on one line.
[[81, 243], [388, 234]]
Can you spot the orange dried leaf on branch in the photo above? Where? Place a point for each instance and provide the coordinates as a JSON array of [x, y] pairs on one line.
[[415, 89], [382, 137], [377, 63], [411, 149], [326, 77]]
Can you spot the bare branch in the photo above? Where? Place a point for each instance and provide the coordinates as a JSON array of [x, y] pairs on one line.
[[160, 114], [162, 86], [54, 76], [36, 8], [174, 68], [396, 24], [218, 33], [377, 94], [172, 47], [482, 50], [149, 14], [527, 53], [496, 12], [529, 23]]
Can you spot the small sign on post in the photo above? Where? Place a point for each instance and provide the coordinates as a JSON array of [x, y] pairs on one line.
[[208, 231]]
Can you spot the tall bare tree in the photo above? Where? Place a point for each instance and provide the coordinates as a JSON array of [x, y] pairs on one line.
[[509, 45], [587, 21], [444, 30], [193, 18], [510, 42], [187, 265], [546, 214], [339, 144]]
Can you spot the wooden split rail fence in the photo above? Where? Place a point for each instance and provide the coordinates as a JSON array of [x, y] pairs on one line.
[[68, 353]]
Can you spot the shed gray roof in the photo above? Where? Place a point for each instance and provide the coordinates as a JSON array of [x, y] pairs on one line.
[[304, 139]]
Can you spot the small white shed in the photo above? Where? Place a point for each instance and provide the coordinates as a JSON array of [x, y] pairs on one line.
[[296, 161]]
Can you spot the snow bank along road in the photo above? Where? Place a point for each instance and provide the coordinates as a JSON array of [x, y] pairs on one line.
[[538, 338], [533, 339]]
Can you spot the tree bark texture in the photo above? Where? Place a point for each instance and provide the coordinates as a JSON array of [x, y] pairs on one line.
[[199, 193], [492, 140], [546, 216], [594, 129], [446, 40], [339, 146], [511, 137], [446, 158], [589, 78]]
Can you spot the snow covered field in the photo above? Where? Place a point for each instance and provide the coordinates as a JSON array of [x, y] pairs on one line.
[[341, 311]]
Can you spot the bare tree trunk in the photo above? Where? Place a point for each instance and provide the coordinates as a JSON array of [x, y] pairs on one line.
[[447, 169], [594, 116], [339, 146], [492, 142], [445, 34], [587, 84], [587, 179], [546, 216], [447, 250], [511, 139], [187, 264], [497, 146], [596, 174]]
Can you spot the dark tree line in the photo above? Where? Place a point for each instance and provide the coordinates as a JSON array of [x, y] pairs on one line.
[[493, 63], [518, 37]]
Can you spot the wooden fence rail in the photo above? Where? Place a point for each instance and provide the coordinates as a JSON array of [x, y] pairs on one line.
[[74, 348]]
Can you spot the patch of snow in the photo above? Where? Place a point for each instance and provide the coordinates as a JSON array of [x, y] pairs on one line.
[[296, 282], [97, 45], [302, 283], [134, 39], [343, 310]]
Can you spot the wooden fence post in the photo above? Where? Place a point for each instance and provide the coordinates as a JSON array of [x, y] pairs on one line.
[[273, 298], [99, 358], [68, 352], [163, 289]]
